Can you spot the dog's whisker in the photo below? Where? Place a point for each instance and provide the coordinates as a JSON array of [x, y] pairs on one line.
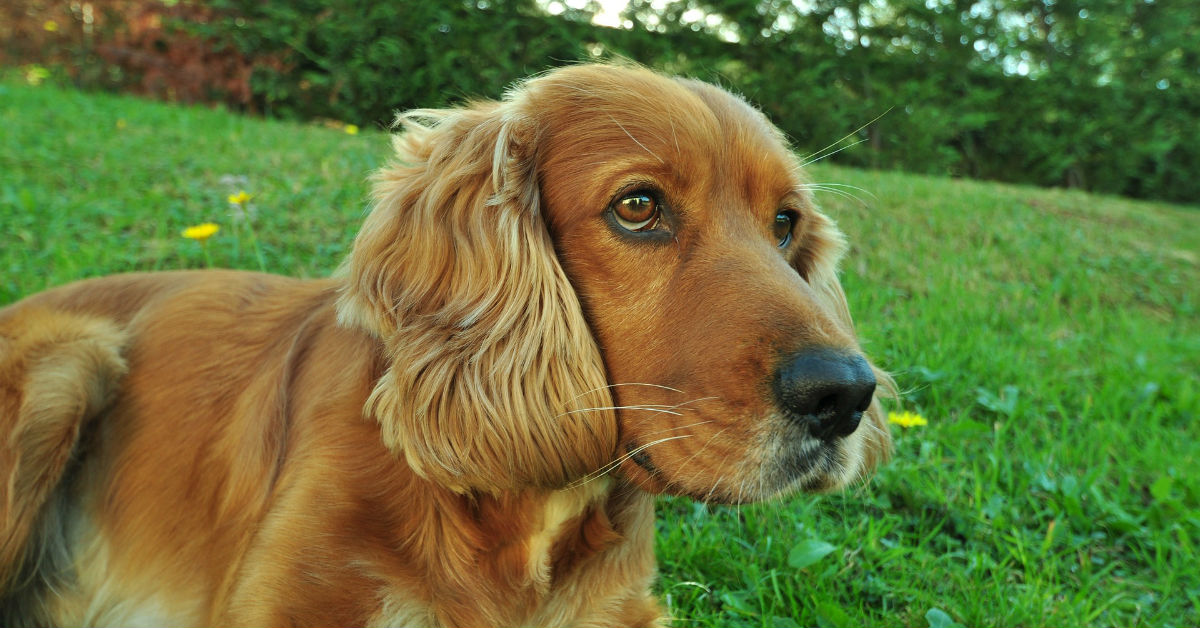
[[845, 195], [712, 488], [826, 185], [708, 442], [635, 140], [604, 470], [691, 401], [836, 192], [681, 427], [677, 406], [814, 160], [678, 151], [822, 187], [599, 388], [662, 409], [831, 189], [813, 157], [670, 408], [700, 471]]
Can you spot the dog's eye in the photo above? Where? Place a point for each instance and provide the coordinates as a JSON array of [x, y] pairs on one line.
[[784, 221], [637, 212]]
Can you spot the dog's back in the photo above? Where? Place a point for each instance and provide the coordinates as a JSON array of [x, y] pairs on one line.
[[86, 448]]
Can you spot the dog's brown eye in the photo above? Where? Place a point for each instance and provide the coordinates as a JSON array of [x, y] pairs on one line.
[[637, 212], [783, 227]]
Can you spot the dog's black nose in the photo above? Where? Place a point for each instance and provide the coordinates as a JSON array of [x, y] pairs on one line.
[[826, 390]]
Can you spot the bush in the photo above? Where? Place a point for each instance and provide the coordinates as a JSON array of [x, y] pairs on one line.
[[139, 46], [951, 107], [363, 61]]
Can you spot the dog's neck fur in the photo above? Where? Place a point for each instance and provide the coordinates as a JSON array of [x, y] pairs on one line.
[[532, 557]]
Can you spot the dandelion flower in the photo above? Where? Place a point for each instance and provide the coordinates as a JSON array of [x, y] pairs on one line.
[[239, 199], [351, 129], [35, 74], [50, 26], [202, 232], [121, 123], [907, 419]]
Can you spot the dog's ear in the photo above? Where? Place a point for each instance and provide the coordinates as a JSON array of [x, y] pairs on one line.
[[494, 381], [818, 263]]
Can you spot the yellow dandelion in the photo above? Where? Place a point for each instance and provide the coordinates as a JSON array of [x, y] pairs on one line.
[[351, 129], [121, 123], [50, 26], [202, 232], [35, 74], [239, 199], [907, 419]]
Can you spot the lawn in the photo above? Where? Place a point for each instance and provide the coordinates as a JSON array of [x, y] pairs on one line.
[[1051, 338]]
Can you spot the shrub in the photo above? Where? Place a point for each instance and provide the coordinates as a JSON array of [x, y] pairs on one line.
[[951, 108], [140, 46], [364, 61]]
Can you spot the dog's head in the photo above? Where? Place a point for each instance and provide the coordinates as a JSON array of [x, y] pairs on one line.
[[611, 270]]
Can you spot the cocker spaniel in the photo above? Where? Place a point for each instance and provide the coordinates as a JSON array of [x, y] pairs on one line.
[[609, 285]]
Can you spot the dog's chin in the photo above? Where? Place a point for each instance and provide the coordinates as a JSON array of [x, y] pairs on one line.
[[811, 466], [803, 465], [819, 466]]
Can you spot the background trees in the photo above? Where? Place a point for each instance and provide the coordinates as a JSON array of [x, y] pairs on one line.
[[1097, 94]]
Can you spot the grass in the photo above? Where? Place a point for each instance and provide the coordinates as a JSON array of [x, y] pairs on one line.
[[1050, 337]]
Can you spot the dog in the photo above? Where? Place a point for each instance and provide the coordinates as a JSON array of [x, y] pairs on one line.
[[609, 285]]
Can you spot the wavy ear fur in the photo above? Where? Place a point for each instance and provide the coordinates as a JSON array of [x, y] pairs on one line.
[[494, 381]]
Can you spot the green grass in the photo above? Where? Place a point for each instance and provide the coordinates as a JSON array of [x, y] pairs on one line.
[[1050, 337]]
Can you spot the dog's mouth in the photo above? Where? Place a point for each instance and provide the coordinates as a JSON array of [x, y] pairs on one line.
[[813, 466], [808, 465]]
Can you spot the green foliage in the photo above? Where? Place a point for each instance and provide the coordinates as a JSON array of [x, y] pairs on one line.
[[1050, 337], [363, 62], [1073, 93], [1089, 94]]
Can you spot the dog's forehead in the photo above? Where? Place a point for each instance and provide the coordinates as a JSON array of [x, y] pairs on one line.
[[752, 152], [609, 123]]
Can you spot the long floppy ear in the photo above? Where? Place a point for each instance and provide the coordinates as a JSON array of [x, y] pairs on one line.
[[494, 381], [818, 265]]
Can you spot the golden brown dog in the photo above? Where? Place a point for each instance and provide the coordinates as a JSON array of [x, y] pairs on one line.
[[609, 285]]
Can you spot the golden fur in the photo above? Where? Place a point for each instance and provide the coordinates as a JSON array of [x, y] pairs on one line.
[[464, 427]]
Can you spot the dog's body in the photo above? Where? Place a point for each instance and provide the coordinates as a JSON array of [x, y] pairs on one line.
[[560, 305], [235, 481]]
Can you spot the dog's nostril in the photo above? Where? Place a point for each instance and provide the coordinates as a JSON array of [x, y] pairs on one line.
[[826, 405], [866, 401], [826, 390]]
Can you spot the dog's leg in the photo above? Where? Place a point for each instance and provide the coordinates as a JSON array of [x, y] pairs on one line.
[[57, 371]]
